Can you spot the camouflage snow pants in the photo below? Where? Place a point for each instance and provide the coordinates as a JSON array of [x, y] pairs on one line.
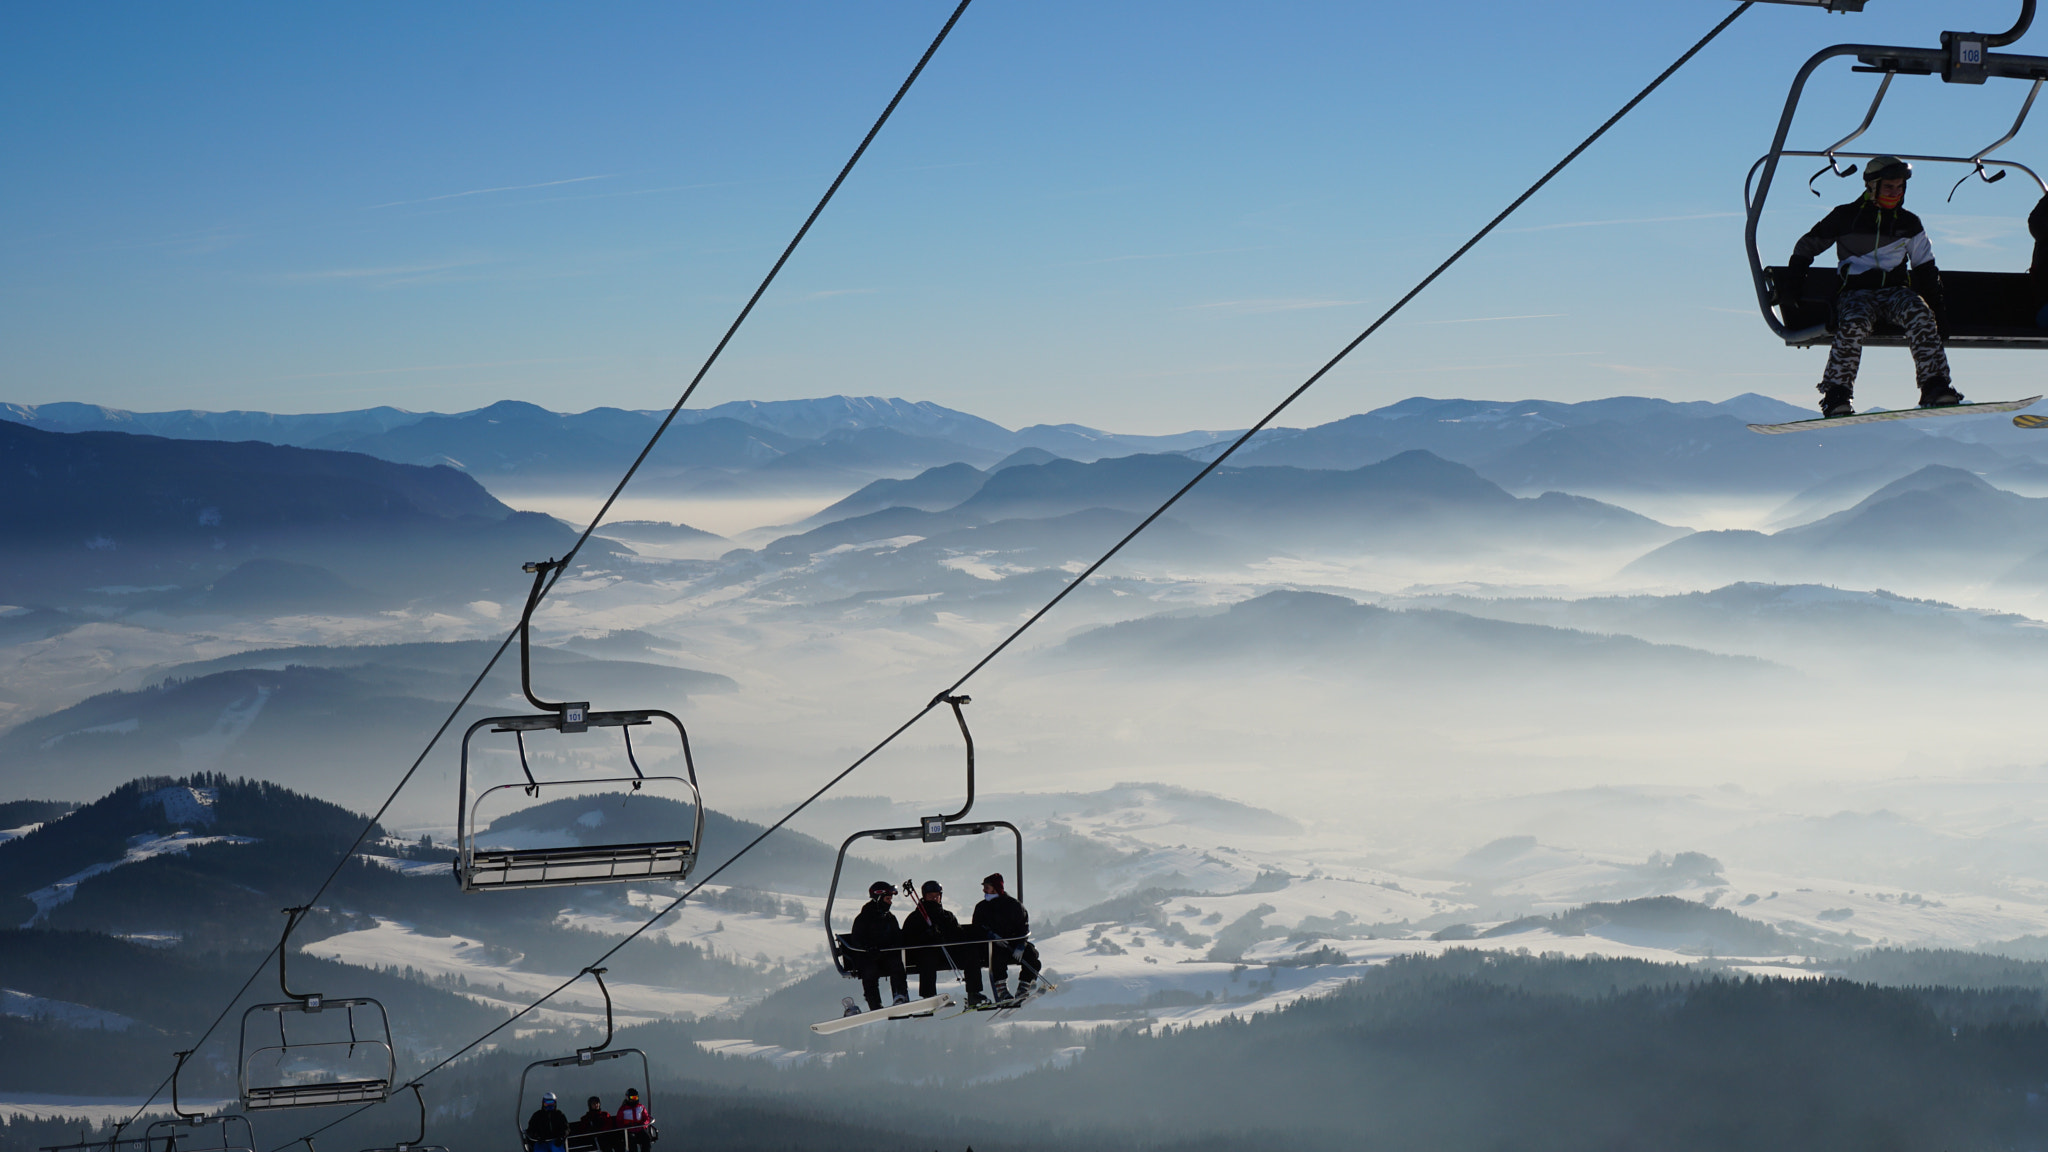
[[1858, 309]]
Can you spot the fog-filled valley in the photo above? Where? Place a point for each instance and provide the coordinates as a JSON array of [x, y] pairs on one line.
[[1451, 775]]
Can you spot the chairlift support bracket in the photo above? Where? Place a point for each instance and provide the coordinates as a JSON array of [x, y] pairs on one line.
[[491, 869]]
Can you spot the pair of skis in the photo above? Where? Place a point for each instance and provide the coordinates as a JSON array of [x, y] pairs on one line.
[[928, 1007], [914, 1008]]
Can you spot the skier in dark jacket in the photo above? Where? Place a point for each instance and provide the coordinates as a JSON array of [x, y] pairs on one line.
[[1887, 273], [1001, 918], [933, 936], [547, 1129], [877, 938], [586, 1133]]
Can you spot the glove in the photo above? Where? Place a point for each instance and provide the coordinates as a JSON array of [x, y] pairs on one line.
[[1789, 287]]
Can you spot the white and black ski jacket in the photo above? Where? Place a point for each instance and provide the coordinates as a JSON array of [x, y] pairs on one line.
[[1874, 248]]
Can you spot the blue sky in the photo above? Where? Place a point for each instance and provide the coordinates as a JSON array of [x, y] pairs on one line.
[[1141, 216]]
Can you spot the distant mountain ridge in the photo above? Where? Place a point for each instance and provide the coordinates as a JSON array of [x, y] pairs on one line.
[[1615, 444], [104, 509]]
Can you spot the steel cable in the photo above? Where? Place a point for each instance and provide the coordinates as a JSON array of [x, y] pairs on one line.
[[675, 410], [1240, 442]]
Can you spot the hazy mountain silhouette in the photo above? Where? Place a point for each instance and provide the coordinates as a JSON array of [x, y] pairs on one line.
[[1414, 501], [1938, 521], [307, 717], [1779, 621], [96, 509], [1335, 632]]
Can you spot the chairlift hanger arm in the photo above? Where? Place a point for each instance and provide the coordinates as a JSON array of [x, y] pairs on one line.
[[956, 702]]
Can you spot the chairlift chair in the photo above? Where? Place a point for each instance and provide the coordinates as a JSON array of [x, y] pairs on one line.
[[930, 830], [491, 869], [182, 1132], [1984, 309], [584, 1058], [357, 1069]]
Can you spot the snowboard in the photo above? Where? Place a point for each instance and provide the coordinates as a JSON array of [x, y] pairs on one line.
[[923, 1007], [2025, 421], [1903, 414]]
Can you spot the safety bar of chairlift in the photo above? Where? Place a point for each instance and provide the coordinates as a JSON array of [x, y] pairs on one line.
[[573, 864], [921, 832], [1889, 60]]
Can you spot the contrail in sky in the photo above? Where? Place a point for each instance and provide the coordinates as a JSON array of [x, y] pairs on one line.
[[483, 191]]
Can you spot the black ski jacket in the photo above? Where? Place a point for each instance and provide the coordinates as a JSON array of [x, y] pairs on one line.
[[2037, 224], [548, 1124], [876, 929], [1002, 916], [942, 928], [1874, 248]]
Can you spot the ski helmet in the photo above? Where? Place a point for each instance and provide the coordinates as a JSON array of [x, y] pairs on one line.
[[881, 888], [547, 1100], [1886, 168], [931, 886]]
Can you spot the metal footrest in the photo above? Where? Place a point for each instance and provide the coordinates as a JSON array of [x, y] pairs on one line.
[[539, 867], [313, 1095]]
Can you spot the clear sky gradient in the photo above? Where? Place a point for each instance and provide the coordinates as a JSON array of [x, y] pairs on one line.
[[1145, 216]]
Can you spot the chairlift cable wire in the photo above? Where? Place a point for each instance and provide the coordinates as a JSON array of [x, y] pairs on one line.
[[1240, 442], [674, 411]]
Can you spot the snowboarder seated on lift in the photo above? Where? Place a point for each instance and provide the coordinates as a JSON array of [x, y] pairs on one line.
[[547, 1130], [635, 1121], [1888, 273], [587, 1132], [934, 938], [999, 917], [877, 939]]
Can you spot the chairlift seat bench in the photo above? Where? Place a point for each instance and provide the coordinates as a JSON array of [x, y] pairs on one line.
[[1985, 310], [258, 1098]]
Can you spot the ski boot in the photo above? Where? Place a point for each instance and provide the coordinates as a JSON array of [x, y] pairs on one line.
[[899, 1002], [852, 1009], [1002, 992], [1939, 394], [976, 1000], [1836, 401]]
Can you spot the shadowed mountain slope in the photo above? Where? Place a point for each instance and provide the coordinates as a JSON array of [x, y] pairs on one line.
[[1936, 522], [96, 509]]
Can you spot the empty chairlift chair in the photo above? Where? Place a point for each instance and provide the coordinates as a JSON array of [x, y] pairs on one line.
[[1984, 309], [484, 867], [846, 957], [312, 1050]]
